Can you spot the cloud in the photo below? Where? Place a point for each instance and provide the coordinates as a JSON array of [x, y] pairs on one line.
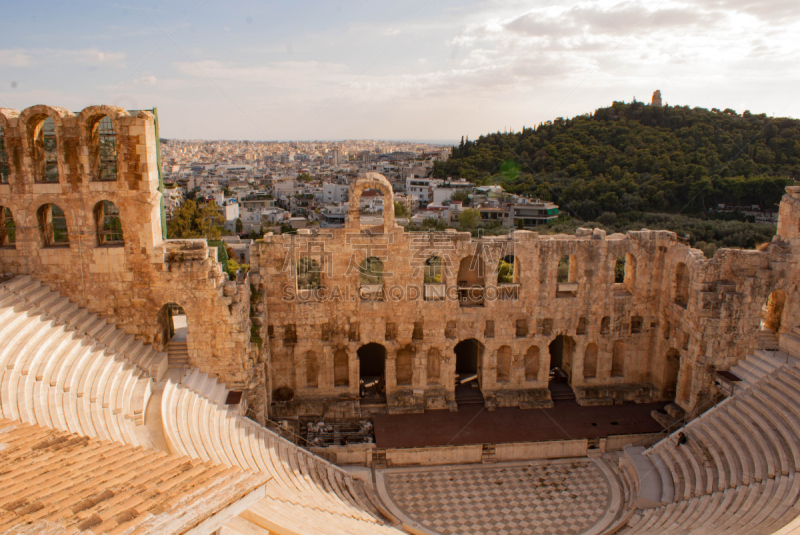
[[44, 56], [14, 58]]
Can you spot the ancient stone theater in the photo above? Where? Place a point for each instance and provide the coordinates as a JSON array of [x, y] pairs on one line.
[[143, 390]]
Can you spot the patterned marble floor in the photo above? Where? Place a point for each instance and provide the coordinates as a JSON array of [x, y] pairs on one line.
[[551, 497]]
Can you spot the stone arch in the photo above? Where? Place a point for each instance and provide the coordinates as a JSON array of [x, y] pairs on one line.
[[434, 366], [108, 223], [503, 368], [46, 156], [309, 274], [53, 227], [371, 271], [372, 371], [625, 271], [173, 323], [364, 182], [567, 270], [341, 368], [772, 311], [507, 270], [8, 227], [562, 350], [590, 361], [532, 363], [312, 370], [433, 273], [471, 280], [682, 284], [618, 359], [404, 367], [672, 367]]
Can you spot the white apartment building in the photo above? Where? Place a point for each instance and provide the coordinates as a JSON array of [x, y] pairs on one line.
[[335, 193]]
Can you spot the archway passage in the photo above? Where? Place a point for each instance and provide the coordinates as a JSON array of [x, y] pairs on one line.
[[372, 373], [561, 349], [672, 367], [469, 354], [174, 329]]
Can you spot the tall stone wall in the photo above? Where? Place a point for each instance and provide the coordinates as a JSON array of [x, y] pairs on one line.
[[675, 320], [127, 283]]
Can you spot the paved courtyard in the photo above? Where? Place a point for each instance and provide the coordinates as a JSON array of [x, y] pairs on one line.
[[547, 497]]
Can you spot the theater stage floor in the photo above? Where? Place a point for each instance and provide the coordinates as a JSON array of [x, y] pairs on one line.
[[473, 424]]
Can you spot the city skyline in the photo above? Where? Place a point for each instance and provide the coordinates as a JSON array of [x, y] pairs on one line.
[[427, 70]]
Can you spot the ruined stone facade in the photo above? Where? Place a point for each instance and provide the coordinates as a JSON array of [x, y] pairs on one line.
[[658, 334], [655, 328], [129, 280]]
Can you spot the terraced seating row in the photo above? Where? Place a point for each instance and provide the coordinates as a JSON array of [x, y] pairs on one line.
[[64, 368], [326, 498], [756, 508], [738, 471], [56, 482]]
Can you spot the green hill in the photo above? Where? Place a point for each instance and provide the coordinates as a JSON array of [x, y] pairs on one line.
[[631, 165], [635, 157]]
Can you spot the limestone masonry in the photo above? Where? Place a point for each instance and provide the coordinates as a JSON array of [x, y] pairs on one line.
[[660, 333]]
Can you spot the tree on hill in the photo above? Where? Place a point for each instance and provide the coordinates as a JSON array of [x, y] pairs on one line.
[[469, 218], [460, 195]]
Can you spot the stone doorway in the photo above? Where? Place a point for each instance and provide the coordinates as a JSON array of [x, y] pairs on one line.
[[372, 374], [469, 357], [174, 327], [561, 349]]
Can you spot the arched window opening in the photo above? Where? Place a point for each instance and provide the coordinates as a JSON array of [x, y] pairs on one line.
[[503, 364], [567, 277], [605, 325], [682, 284], [505, 270], [618, 359], [772, 312], [404, 367], [532, 363], [619, 270], [52, 225], [434, 366], [341, 368], [567, 269], [625, 272], [371, 270], [308, 273], [590, 361], [433, 270], [45, 150], [109, 225], [471, 273], [5, 169], [372, 372], [469, 357], [311, 370], [103, 150], [8, 229]]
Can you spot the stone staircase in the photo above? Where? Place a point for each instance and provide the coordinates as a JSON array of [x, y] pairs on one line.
[[488, 454], [738, 471], [65, 368], [178, 354]]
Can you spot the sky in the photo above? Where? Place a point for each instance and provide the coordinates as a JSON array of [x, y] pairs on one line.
[[405, 69]]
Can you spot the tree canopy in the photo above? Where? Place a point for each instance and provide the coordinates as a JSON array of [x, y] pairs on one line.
[[634, 157], [196, 220]]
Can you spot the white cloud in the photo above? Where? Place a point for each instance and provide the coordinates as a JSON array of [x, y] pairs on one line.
[[44, 56]]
